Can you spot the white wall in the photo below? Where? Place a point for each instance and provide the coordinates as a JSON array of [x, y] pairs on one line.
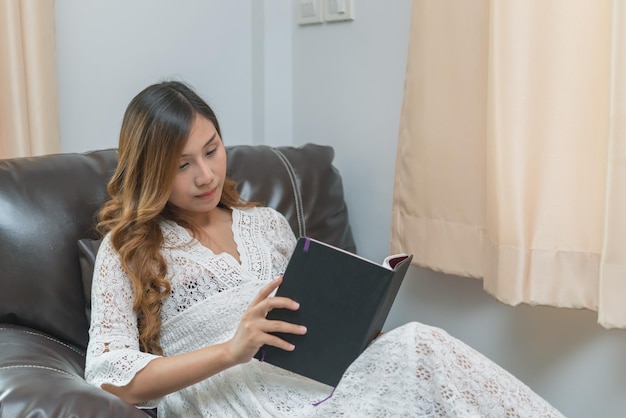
[[274, 82], [348, 80], [237, 54]]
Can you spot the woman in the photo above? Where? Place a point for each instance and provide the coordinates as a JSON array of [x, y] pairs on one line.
[[183, 281]]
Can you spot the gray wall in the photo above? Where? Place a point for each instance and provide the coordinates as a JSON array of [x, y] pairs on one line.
[[274, 82]]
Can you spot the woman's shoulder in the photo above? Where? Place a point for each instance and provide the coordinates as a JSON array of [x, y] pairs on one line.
[[267, 217], [105, 251], [105, 241], [261, 211]]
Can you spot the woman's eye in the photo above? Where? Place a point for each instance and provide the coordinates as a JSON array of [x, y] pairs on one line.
[[183, 166], [211, 152]]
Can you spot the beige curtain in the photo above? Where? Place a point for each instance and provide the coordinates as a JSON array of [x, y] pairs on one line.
[[511, 161], [28, 99]]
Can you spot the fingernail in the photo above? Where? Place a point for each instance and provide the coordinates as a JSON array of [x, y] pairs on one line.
[[303, 329]]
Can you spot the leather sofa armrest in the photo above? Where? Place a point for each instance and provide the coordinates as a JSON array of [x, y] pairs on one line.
[[34, 363]]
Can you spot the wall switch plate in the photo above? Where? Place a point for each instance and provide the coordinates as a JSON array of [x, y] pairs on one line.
[[338, 10], [310, 12]]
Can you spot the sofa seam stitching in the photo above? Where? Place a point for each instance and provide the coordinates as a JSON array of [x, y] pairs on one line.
[[296, 191], [32, 366], [47, 337]]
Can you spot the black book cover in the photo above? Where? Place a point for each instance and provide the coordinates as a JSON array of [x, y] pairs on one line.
[[344, 302]]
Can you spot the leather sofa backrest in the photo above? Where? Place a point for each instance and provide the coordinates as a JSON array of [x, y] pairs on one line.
[[48, 203], [301, 183]]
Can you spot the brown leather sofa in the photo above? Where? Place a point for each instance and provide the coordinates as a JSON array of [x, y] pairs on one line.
[[48, 205]]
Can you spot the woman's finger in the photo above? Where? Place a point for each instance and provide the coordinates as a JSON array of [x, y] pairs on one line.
[[283, 327], [276, 303], [267, 290], [279, 343]]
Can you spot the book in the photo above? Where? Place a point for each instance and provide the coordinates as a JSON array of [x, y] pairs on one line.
[[344, 302]]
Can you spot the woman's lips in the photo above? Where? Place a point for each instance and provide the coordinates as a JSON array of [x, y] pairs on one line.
[[207, 195]]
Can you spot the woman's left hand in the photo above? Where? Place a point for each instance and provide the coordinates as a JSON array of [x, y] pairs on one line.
[[255, 330]]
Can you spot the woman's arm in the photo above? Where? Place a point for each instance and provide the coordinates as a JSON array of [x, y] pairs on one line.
[[165, 375]]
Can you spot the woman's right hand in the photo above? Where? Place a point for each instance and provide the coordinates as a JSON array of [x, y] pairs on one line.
[[255, 329]]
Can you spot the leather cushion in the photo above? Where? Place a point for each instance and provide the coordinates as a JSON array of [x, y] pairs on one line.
[[34, 363], [48, 203]]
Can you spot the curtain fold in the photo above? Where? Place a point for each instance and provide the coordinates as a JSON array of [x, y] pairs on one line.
[[29, 121], [512, 149], [611, 311]]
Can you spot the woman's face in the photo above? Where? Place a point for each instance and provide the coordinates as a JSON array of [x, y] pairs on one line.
[[198, 184]]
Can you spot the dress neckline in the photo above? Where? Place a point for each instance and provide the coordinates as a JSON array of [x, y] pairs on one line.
[[194, 242]]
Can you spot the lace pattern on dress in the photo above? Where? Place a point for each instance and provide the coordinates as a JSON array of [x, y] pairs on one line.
[[414, 370], [264, 240]]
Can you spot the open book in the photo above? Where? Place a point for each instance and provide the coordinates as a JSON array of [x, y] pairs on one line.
[[344, 302]]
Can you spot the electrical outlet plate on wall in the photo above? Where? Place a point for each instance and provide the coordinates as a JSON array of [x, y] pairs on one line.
[[310, 12], [338, 10]]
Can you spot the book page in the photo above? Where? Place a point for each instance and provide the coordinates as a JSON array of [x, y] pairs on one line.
[[392, 261]]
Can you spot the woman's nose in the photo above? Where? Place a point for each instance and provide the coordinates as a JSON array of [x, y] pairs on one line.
[[204, 174]]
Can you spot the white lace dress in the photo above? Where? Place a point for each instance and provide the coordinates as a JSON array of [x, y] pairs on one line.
[[412, 371]]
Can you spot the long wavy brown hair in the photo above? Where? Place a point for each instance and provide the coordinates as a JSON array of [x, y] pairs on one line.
[[154, 131]]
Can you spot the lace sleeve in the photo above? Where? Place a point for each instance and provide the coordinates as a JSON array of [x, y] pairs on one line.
[[113, 354]]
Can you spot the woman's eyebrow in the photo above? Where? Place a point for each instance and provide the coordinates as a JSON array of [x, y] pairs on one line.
[[210, 140], [205, 145]]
